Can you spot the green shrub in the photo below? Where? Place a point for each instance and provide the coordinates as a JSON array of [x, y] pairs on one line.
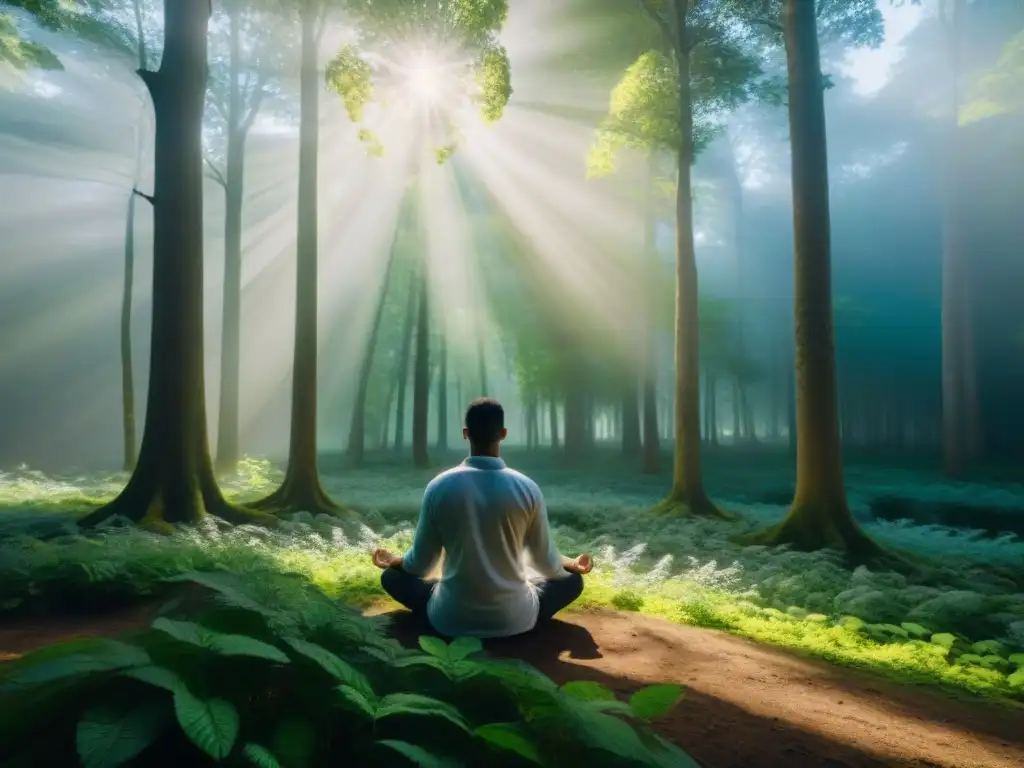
[[274, 673]]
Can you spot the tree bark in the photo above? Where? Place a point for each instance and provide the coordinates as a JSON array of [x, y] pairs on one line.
[[687, 494], [403, 363], [960, 412], [631, 441], [442, 394], [481, 364], [421, 372], [173, 480], [819, 516], [553, 422], [127, 372], [652, 446], [302, 489]]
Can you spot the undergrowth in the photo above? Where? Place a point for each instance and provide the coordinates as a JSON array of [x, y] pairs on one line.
[[957, 622], [273, 673]]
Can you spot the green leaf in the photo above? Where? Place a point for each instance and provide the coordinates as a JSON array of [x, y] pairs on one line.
[[210, 724], [654, 701], [159, 677], [915, 629], [1016, 680], [219, 642], [260, 756], [361, 702], [510, 738], [73, 659], [107, 736], [419, 705], [294, 741], [944, 639], [336, 667], [613, 707], [587, 690], [423, 661], [988, 647], [462, 647], [1017, 659], [435, 647], [417, 755]]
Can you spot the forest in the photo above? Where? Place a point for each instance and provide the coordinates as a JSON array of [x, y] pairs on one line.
[[746, 276]]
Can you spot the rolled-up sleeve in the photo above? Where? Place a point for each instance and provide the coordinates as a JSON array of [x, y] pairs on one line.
[[422, 558], [540, 544]]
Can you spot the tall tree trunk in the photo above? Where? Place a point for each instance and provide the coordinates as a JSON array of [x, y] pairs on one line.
[[737, 426], [173, 480], [403, 363], [386, 421], [652, 446], [302, 490], [819, 516], [421, 373], [442, 393], [481, 364], [356, 448], [228, 423], [127, 372], [687, 494], [960, 417], [553, 421], [631, 441], [127, 364]]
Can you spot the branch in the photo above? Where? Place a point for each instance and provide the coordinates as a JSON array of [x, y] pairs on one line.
[[218, 105], [659, 20], [214, 172], [254, 106], [770, 23], [151, 80], [149, 198]]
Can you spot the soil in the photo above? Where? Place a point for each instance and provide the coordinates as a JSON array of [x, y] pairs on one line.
[[746, 706]]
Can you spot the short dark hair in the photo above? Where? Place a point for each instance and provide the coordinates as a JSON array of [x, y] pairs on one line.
[[485, 418]]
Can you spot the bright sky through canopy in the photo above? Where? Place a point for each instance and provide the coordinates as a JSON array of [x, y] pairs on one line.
[[425, 78], [870, 69]]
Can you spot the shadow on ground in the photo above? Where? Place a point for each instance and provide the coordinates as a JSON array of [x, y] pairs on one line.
[[753, 707]]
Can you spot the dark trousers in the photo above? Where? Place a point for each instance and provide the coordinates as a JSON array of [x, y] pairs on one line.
[[414, 592]]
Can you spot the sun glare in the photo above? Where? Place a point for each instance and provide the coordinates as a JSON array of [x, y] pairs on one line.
[[425, 79]]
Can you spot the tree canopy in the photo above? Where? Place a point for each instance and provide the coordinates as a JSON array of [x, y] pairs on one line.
[[399, 45]]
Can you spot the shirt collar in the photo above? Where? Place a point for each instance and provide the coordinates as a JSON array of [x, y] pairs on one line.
[[484, 462]]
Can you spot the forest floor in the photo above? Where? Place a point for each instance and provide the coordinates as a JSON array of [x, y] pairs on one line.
[[743, 623], [746, 705]]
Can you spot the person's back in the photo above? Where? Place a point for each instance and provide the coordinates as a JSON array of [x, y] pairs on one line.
[[491, 522], [484, 513]]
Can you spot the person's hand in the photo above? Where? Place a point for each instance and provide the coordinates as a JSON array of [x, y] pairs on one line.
[[583, 564], [383, 559]]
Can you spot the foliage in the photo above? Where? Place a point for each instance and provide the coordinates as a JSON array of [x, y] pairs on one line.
[[254, 79], [644, 109], [687, 571], [999, 90], [21, 53], [244, 677], [854, 23], [107, 23], [458, 38]]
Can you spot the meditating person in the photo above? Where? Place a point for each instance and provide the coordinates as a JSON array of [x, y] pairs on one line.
[[490, 521]]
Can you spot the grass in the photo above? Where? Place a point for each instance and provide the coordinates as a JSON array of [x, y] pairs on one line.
[[957, 623]]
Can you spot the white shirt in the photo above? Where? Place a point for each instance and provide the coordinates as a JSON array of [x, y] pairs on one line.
[[491, 522]]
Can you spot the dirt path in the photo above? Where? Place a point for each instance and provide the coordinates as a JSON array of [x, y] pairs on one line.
[[752, 706], [747, 706]]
